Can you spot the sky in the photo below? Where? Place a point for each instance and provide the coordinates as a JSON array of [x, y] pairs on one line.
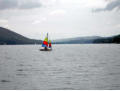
[[61, 18]]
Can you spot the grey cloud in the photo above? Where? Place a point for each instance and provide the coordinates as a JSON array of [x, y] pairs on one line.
[[19, 4], [112, 5], [5, 4]]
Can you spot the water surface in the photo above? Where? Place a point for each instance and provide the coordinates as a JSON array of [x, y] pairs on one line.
[[75, 67]]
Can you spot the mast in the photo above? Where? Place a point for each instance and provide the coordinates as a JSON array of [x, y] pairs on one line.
[[47, 35]]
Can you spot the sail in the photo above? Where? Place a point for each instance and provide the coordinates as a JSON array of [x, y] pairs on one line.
[[45, 45], [50, 44], [45, 42]]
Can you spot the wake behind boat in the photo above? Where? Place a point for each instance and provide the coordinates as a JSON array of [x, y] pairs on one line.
[[46, 46]]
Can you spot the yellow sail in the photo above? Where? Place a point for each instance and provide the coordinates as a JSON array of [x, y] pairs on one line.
[[46, 39]]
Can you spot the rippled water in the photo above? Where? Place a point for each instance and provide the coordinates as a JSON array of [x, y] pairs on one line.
[[66, 67]]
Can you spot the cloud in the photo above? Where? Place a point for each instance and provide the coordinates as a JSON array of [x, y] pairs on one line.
[[19, 4], [39, 21], [36, 22], [114, 4], [3, 21], [117, 26], [58, 12]]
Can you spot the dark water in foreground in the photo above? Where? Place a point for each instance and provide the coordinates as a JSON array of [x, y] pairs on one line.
[[66, 67]]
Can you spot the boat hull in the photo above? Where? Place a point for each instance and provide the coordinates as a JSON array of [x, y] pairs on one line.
[[45, 49]]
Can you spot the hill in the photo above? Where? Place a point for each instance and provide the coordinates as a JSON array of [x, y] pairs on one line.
[[77, 40], [113, 39], [89, 40], [9, 37]]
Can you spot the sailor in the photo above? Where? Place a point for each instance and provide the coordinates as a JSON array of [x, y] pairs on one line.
[[45, 48]]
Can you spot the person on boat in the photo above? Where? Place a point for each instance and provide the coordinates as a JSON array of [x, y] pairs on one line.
[[50, 45], [46, 49]]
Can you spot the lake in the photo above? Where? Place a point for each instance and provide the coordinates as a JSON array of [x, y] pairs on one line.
[[74, 67]]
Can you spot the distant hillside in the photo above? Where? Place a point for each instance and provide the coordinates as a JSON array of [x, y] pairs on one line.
[[77, 40], [113, 39], [9, 37], [89, 40]]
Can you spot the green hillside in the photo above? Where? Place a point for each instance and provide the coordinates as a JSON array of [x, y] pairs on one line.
[[9, 37]]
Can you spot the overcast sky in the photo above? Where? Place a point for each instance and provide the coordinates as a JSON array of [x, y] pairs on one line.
[[61, 18]]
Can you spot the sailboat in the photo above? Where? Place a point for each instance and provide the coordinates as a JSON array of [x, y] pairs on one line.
[[46, 45]]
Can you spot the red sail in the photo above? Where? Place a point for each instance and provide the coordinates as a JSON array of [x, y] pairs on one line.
[[50, 44]]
